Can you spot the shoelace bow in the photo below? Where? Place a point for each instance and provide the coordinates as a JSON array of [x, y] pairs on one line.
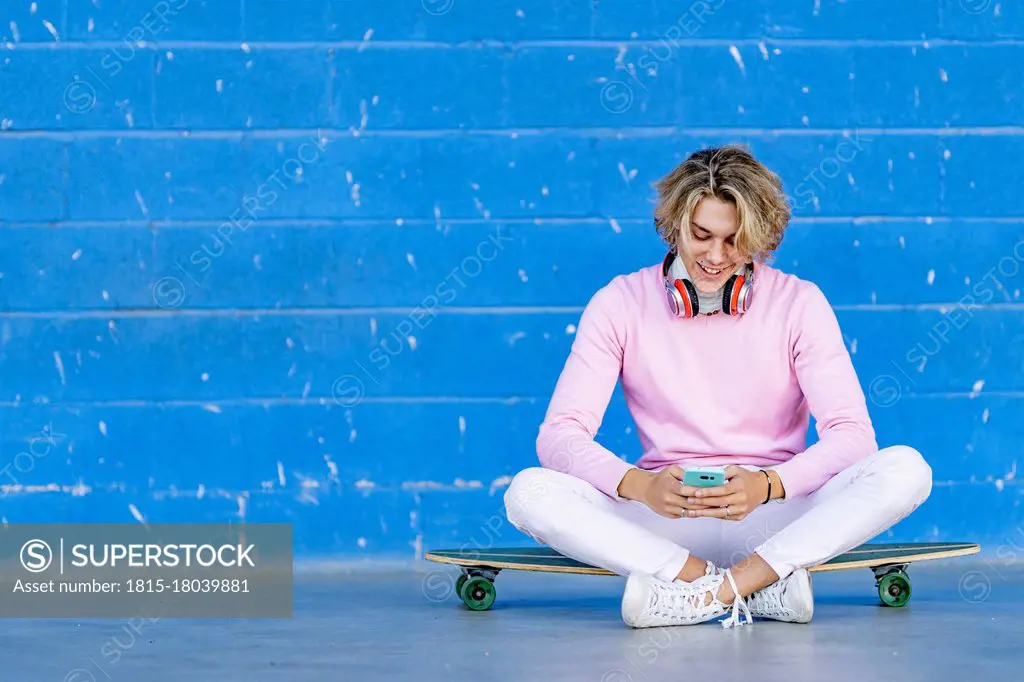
[[738, 603]]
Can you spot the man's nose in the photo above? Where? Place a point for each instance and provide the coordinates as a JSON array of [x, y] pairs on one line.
[[716, 252]]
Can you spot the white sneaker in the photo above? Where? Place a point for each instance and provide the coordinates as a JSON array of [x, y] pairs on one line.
[[649, 602], [790, 599]]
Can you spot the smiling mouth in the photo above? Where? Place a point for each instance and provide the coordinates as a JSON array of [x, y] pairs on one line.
[[710, 271]]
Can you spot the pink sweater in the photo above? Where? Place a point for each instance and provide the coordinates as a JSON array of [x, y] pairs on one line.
[[713, 390]]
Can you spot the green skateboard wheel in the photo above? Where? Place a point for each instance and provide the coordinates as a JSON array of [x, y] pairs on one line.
[[478, 593], [459, 583], [894, 588]]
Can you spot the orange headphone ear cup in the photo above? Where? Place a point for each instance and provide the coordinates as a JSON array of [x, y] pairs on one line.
[[691, 304], [730, 294], [735, 293]]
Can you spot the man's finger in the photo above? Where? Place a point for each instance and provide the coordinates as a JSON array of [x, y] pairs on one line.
[[732, 470], [713, 491], [712, 512], [715, 502], [684, 502], [688, 490], [677, 472], [675, 512], [675, 498], [689, 504]]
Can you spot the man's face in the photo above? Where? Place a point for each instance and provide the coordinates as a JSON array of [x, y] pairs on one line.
[[710, 254]]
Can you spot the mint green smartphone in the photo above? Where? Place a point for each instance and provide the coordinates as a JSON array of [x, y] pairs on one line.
[[704, 477]]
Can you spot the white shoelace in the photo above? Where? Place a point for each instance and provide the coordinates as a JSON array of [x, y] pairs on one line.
[[686, 599], [738, 603], [767, 602]]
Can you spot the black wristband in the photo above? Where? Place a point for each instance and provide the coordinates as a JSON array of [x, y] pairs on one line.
[[769, 496]]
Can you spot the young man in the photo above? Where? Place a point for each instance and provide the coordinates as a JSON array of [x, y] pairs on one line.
[[722, 360]]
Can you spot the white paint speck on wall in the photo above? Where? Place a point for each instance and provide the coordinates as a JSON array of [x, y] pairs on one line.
[[738, 59], [976, 389], [51, 29], [627, 176], [136, 513], [142, 204], [60, 367]]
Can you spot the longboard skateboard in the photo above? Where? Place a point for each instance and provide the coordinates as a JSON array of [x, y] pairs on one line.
[[889, 562]]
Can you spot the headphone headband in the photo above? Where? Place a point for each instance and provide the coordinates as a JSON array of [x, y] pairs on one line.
[[682, 295]]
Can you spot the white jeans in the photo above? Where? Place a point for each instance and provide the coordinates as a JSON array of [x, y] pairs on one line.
[[626, 536]]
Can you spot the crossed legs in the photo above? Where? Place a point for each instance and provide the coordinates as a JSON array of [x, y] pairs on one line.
[[626, 537]]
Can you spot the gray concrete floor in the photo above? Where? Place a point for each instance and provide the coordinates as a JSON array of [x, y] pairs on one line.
[[965, 619]]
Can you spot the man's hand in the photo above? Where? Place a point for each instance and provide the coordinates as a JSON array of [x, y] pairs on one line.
[[743, 492], [662, 491]]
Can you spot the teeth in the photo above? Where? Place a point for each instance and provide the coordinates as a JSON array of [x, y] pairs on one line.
[[709, 270]]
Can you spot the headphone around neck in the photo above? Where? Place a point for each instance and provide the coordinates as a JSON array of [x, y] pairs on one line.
[[682, 295]]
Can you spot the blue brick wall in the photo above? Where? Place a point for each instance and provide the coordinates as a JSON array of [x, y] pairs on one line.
[[221, 222]]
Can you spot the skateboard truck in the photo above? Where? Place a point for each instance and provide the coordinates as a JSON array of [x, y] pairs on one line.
[[893, 583], [476, 587]]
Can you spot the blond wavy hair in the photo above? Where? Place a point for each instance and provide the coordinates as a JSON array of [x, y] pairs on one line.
[[729, 173]]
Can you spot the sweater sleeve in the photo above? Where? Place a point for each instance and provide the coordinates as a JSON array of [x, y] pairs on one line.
[[566, 438], [834, 397]]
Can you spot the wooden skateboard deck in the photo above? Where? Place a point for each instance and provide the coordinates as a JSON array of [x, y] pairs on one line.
[[888, 561]]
